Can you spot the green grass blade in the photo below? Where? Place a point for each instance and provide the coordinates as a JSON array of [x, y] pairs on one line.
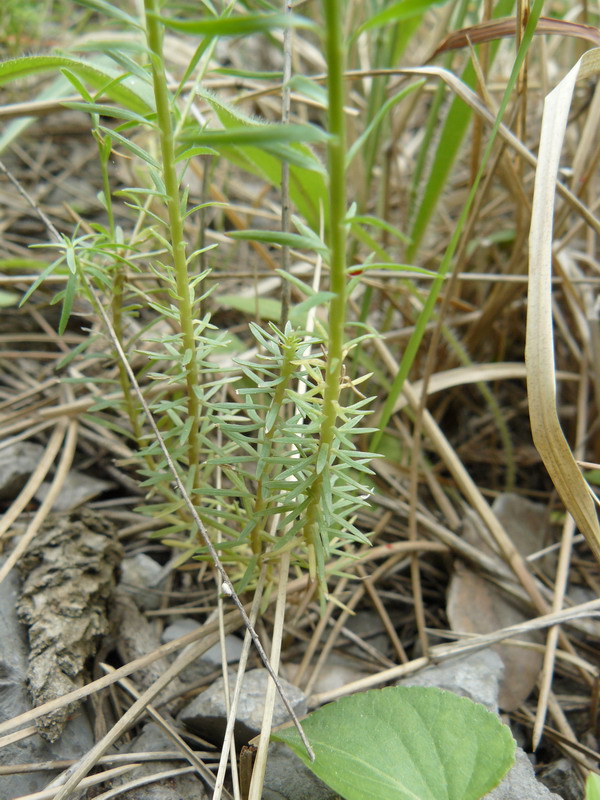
[[451, 138], [237, 26], [427, 311], [102, 79]]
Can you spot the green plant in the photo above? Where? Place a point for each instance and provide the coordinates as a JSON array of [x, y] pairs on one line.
[[284, 455], [267, 450], [592, 786], [406, 743]]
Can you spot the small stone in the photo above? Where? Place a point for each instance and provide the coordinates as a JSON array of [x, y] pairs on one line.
[[207, 713], [77, 490], [287, 778], [337, 671], [16, 465], [476, 676], [209, 661], [560, 776], [142, 578], [521, 783]]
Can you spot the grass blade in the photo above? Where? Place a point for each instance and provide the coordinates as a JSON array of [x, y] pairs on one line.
[[548, 436]]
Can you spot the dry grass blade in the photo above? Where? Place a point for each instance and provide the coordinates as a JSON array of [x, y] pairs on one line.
[[93, 780], [191, 756], [444, 651], [460, 376], [539, 353], [33, 484], [165, 775], [45, 508], [505, 28]]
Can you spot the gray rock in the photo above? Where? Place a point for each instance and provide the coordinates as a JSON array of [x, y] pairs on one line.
[[521, 783], [77, 737], [561, 777], [179, 787], [180, 627], [77, 490], [16, 465], [287, 778], [136, 637], [208, 661], [142, 578], [207, 713], [185, 625], [477, 676], [337, 671]]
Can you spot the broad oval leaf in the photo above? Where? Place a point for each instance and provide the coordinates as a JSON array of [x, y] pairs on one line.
[[405, 743]]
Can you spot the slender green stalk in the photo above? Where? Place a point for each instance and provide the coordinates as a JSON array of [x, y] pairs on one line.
[[185, 296], [334, 52]]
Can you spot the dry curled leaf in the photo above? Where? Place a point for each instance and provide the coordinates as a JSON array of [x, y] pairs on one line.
[[546, 430], [505, 28]]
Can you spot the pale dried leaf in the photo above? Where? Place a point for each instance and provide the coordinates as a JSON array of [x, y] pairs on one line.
[[539, 351]]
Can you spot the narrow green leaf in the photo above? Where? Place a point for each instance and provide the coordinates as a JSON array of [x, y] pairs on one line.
[[309, 88], [267, 307], [54, 266], [397, 12], [67, 303], [308, 180], [283, 239], [237, 26], [131, 146], [451, 137], [380, 224], [190, 152], [109, 111], [112, 10], [130, 93], [258, 135], [358, 268]]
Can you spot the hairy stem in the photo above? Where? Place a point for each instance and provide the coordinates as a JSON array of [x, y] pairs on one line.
[[334, 50], [185, 295]]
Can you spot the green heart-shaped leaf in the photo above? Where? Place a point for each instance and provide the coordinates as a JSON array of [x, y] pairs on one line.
[[406, 743]]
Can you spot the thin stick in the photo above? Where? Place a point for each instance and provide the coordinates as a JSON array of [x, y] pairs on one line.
[[256, 600], [260, 763], [34, 482], [207, 633], [41, 514], [187, 751], [50, 794], [444, 651]]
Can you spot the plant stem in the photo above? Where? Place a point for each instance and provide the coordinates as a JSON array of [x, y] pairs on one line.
[[334, 52], [185, 295], [334, 49]]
